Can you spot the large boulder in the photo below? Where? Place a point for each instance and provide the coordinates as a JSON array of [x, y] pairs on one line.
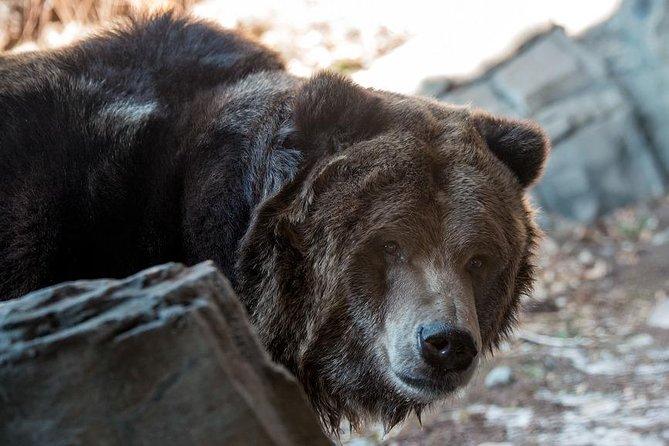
[[163, 357], [603, 97], [634, 44]]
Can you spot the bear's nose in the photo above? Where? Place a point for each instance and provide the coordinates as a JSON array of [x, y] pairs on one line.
[[446, 347]]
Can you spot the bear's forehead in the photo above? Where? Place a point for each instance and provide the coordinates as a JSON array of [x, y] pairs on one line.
[[427, 118], [428, 182], [447, 160], [431, 155], [436, 200]]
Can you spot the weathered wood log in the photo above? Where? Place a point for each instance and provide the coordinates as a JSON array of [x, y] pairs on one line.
[[163, 357]]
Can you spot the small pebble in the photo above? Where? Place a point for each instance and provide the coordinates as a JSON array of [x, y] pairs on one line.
[[498, 377], [659, 317]]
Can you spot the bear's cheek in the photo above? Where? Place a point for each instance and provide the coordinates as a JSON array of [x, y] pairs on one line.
[[366, 290], [496, 309]]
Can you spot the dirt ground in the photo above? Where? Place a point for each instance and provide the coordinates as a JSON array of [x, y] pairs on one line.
[[589, 364]]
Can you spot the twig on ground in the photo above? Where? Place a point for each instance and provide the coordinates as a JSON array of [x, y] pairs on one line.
[[536, 338]]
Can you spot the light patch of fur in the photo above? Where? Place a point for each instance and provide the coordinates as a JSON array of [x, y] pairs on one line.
[[87, 85], [285, 163], [128, 112], [434, 278], [459, 306], [124, 118]]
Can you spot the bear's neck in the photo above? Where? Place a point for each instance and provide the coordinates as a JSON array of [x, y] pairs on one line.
[[253, 157]]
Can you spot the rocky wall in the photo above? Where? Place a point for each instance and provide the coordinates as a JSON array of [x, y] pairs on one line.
[[603, 97]]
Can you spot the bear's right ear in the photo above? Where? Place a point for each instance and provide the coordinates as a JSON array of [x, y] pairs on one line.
[[520, 144], [332, 112]]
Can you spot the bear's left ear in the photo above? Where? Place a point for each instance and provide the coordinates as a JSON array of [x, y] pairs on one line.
[[331, 112], [522, 145]]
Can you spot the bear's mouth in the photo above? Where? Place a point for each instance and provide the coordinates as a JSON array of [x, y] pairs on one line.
[[424, 383], [428, 386]]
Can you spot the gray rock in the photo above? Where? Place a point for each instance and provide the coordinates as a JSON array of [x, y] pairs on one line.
[[603, 97], [565, 116], [635, 45], [163, 357], [530, 84], [499, 377], [434, 86], [599, 167], [481, 95]]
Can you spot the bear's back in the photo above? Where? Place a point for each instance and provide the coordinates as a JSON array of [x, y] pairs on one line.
[[138, 69], [90, 181]]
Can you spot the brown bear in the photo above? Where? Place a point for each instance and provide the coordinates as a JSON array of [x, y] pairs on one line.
[[379, 242]]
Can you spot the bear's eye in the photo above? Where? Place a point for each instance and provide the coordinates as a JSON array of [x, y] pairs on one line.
[[391, 248], [476, 263]]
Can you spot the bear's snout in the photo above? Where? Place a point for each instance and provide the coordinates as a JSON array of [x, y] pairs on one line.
[[445, 347]]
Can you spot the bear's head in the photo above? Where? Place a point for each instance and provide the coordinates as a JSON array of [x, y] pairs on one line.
[[396, 256]]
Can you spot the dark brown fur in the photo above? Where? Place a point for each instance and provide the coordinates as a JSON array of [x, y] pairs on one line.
[[413, 167], [170, 139]]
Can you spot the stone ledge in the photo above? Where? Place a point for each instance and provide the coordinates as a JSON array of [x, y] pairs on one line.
[[163, 357]]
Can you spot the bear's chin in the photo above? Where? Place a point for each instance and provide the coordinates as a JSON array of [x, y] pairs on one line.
[[430, 389], [396, 396]]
